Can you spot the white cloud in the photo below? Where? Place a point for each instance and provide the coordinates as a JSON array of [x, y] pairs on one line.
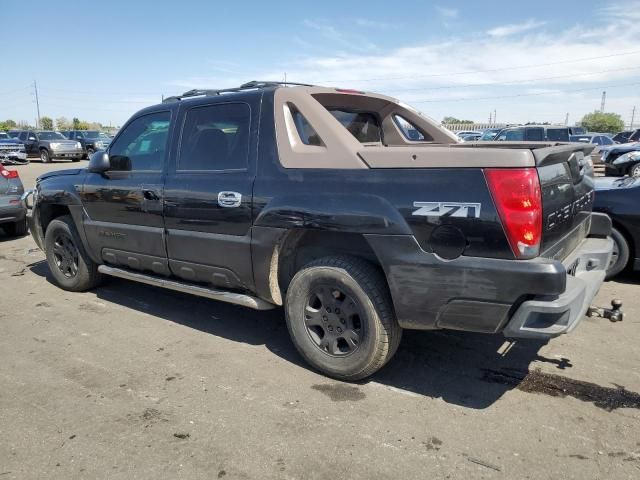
[[515, 28], [464, 76], [447, 12]]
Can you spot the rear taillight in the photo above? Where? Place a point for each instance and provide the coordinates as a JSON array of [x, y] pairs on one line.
[[516, 193], [8, 173]]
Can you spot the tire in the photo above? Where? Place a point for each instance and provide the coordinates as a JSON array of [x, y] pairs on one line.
[[634, 170], [340, 317], [16, 229], [90, 151], [70, 266], [620, 257], [44, 156]]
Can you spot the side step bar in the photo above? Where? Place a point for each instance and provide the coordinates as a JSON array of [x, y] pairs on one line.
[[221, 295]]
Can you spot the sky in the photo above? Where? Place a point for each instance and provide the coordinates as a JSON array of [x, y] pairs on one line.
[[104, 61]]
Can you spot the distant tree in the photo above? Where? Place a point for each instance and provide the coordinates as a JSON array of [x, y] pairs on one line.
[[76, 123], [63, 123], [602, 122], [454, 120], [82, 125], [46, 123], [9, 124], [23, 125]]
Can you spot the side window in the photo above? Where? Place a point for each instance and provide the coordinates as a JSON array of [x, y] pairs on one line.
[[534, 134], [23, 136], [408, 129], [307, 133], [635, 136], [515, 135], [143, 143], [215, 137], [77, 135], [597, 140], [32, 135], [606, 140]]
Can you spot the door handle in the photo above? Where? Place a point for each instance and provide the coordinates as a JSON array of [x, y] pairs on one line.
[[150, 195], [229, 199]]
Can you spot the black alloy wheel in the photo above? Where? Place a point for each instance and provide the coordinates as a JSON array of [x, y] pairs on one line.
[[333, 320], [65, 254]]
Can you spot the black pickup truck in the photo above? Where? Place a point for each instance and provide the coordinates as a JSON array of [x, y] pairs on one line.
[[321, 201]]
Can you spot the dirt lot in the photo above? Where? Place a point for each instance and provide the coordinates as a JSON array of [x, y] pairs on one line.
[[129, 381]]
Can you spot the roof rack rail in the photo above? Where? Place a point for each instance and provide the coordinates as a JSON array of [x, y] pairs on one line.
[[254, 84]]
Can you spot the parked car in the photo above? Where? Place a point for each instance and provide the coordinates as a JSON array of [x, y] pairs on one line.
[[627, 136], [467, 132], [471, 137], [489, 133], [12, 151], [625, 164], [91, 140], [317, 200], [48, 145], [533, 133], [13, 218], [577, 131], [619, 198], [611, 154], [598, 139]]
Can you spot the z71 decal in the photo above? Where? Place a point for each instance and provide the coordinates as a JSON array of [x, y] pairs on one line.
[[447, 209]]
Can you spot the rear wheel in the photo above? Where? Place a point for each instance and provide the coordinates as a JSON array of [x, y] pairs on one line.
[[71, 267], [620, 255], [340, 317], [16, 229], [634, 171], [44, 156]]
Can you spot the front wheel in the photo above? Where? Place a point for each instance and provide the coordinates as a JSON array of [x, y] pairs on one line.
[[44, 156], [71, 267], [620, 255], [340, 317], [634, 171]]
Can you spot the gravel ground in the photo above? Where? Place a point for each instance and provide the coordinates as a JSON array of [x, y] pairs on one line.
[[129, 381]]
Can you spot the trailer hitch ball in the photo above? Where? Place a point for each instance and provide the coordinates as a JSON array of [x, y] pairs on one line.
[[614, 314]]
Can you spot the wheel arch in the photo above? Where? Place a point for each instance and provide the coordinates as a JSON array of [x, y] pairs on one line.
[[298, 247]]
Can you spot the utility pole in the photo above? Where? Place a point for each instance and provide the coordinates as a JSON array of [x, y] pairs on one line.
[[494, 116], [162, 96], [604, 97], [633, 116], [35, 87], [566, 119], [490, 114]]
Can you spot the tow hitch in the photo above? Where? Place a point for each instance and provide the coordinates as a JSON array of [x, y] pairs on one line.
[[614, 314]]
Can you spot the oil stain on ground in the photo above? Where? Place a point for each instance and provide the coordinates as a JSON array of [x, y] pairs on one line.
[[339, 392], [607, 398]]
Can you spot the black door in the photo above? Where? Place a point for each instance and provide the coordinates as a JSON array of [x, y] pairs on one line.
[[208, 196], [31, 143], [124, 205]]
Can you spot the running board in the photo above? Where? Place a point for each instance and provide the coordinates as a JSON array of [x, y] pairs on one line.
[[221, 295]]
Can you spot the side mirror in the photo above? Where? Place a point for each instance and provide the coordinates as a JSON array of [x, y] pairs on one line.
[[32, 139], [99, 162]]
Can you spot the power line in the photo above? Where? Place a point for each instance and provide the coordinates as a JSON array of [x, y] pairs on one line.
[[537, 94], [504, 69], [513, 82]]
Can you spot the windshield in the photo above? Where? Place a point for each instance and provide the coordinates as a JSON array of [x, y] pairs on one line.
[[4, 136], [50, 136], [515, 135]]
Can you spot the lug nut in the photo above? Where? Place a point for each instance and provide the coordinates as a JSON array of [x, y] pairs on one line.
[[324, 318], [342, 321], [337, 311], [339, 330], [330, 328]]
